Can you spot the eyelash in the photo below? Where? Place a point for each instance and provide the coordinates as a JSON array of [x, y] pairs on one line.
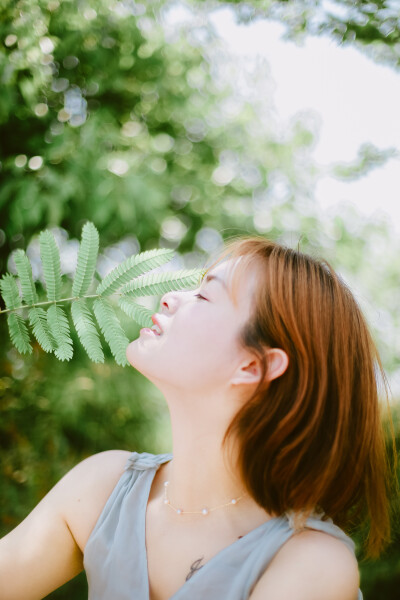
[[200, 296]]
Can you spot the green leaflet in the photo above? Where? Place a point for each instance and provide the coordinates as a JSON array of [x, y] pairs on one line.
[[87, 331], [132, 267], [9, 291], [16, 325], [50, 256], [112, 330], [24, 270], [40, 328], [87, 257], [51, 327], [160, 283], [59, 328], [18, 333], [140, 314]]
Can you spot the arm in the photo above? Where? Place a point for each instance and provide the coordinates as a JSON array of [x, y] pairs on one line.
[[311, 566], [46, 549]]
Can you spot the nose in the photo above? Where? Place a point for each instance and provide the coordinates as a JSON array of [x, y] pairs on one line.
[[168, 302], [171, 300]]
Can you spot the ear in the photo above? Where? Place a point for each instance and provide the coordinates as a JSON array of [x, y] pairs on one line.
[[250, 372], [278, 362]]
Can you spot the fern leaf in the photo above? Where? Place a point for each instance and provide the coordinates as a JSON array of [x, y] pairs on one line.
[[16, 326], [112, 330], [50, 256], [132, 267], [160, 283], [87, 257], [9, 291], [19, 333], [87, 331], [138, 313], [59, 328], [24, 270], [40, 328]]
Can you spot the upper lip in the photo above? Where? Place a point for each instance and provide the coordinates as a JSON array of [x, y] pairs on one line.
[[156, 322]]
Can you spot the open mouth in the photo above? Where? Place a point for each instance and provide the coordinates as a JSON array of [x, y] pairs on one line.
[[157, 329], [154, 331]]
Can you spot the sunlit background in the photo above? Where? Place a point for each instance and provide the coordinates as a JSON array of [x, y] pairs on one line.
[[353, 100], [180, 125]]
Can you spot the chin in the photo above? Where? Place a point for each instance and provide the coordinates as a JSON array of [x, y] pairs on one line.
[[138, 360], [130, 353]]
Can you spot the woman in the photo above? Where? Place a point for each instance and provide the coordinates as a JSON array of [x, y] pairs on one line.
[[269, 373]]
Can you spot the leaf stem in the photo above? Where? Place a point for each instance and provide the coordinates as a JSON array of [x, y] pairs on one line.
[[48, 302]]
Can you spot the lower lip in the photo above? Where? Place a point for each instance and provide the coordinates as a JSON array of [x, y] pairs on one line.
[[149, 331]]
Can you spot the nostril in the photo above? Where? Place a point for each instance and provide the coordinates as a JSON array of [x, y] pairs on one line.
[[168, 302], [163, 300]]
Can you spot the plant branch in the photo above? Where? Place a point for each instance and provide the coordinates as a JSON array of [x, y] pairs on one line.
[[47, 303]]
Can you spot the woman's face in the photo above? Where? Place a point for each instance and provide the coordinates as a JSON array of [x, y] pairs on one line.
[[200, 328]]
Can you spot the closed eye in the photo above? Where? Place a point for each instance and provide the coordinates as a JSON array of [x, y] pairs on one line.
[[200, 296]]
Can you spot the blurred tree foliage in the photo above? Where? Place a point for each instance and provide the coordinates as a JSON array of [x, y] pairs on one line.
[[103, 118], [111, 112], [373, 26]]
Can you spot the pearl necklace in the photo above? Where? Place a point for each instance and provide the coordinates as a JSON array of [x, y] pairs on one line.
[[203, 511]]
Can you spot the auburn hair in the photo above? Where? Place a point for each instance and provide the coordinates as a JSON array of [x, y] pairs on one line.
[[313, 438]]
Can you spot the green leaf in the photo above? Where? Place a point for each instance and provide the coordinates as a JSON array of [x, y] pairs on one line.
[[140, 314], [24, 270], [87, 258], [50, 256], [112, 330], [160, 283], [19, 333], [86, 330], [9, 291], [132, 267], [59, 328], [40, 328]]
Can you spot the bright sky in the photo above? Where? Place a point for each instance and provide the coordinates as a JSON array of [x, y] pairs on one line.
[[358, 101]]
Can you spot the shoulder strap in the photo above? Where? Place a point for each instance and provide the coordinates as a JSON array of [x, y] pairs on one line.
[[326, 525], [141, 461]]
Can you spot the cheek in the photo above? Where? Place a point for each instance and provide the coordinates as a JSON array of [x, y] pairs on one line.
[[202, 350], [207, 348]]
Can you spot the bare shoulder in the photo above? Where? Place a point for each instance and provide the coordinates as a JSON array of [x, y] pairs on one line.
[[46, 549], [83, 492], [312, 565]]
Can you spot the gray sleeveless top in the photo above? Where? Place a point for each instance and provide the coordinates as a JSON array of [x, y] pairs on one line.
[[115, 556]]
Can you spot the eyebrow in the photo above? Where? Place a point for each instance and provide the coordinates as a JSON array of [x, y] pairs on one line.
[[211, 277]]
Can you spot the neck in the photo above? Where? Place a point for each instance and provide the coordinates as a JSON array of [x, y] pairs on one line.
[[199, 476]]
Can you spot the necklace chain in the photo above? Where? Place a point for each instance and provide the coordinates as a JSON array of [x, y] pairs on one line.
[[204, 511]]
